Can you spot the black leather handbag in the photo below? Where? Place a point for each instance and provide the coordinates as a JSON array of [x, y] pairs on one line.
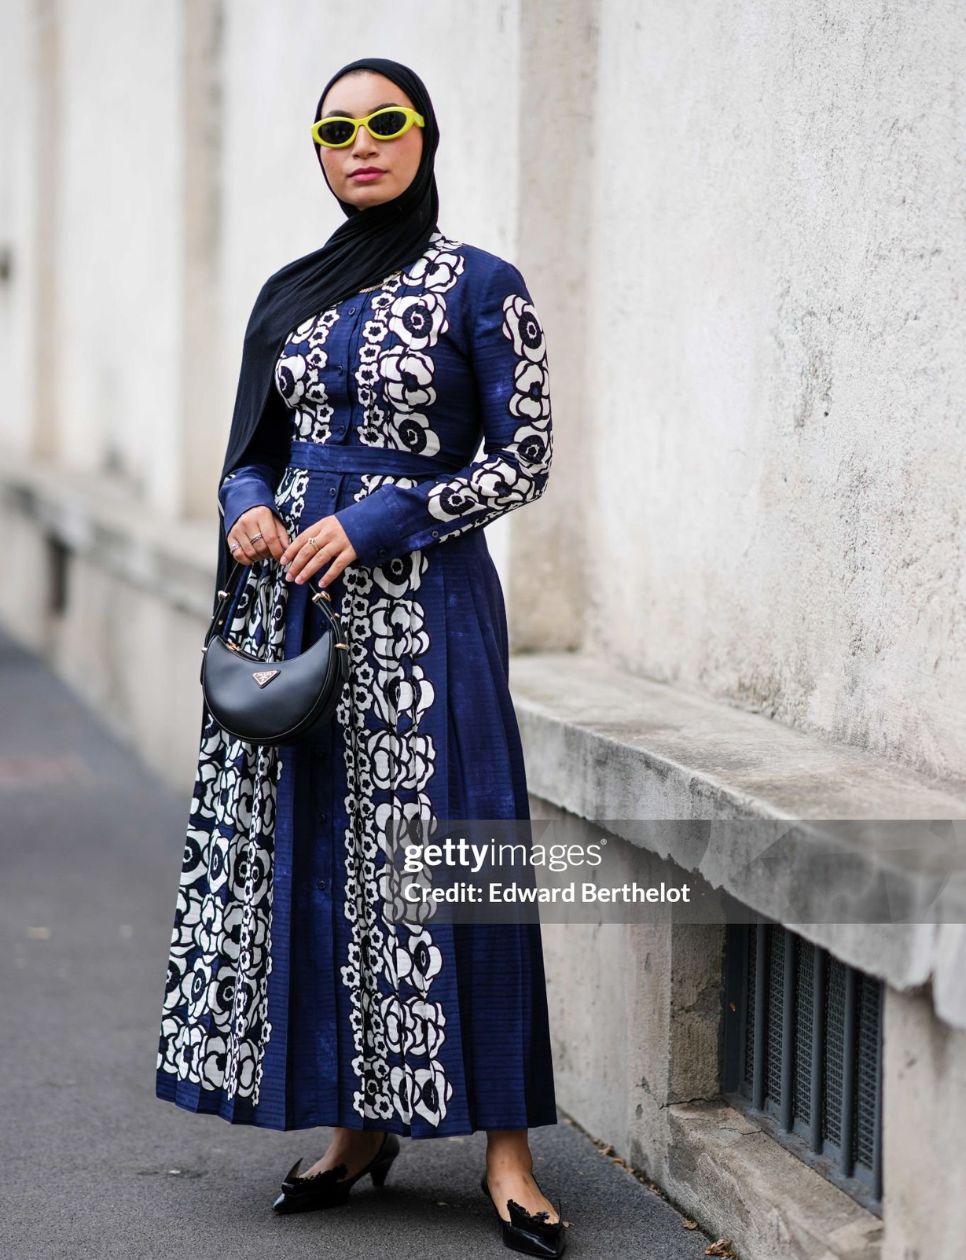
[[273, 702]]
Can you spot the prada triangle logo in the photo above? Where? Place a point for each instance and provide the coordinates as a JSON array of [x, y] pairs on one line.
[[263, 676]]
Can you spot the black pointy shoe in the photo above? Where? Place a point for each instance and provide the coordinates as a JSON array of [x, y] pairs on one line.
[[331, 1187], [530, 1232]]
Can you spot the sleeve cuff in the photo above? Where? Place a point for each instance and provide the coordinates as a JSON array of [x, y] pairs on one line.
[[237, 499], [370, 528]]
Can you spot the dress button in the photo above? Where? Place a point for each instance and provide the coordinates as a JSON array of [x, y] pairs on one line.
[[332, 490], [435, 533], [321, 885], [322, 815], [350, 310]]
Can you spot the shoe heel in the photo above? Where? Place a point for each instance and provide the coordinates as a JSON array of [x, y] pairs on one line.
[[380, 1169], [380, 1174]]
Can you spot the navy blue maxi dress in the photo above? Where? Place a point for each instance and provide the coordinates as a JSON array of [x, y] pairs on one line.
[[291, 1000]]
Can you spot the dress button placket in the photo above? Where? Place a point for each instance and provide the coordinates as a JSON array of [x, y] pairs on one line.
[[344, 367]]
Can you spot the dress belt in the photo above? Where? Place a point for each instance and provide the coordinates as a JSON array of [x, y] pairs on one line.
[[374, 459]]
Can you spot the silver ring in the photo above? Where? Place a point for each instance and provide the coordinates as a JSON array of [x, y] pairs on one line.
[[233, 546], [254, 537], [315, 543]]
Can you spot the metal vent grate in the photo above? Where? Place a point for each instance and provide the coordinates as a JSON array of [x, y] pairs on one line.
[[776, 975], [868, 1096], [835, 1051], [751, 952], [804, 1028], [803, 1052]]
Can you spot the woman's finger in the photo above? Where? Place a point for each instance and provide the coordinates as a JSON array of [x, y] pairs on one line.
[[244, 552], [321, 531], [255, 533], [338, 557], [260, 529], [339, 562], [299, 559], [303, 549], [265, 531], [277, 537], [309, 560]]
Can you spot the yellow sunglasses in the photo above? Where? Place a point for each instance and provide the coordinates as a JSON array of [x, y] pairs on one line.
[[337, 132]]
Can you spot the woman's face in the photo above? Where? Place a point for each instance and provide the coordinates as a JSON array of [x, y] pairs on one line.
[[356, 95]]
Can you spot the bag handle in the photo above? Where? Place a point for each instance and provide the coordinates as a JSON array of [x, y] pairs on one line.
[[321, 597]]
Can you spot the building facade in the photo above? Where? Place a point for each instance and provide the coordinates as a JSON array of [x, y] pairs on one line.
[[740, 601]]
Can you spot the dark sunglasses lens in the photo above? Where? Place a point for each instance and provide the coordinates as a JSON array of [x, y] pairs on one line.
[[336, 132], [388, 122]]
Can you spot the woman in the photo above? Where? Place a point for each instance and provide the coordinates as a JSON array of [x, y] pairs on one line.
[[370, 371]]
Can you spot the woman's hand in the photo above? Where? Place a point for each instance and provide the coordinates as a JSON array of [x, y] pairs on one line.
[[258, 533], [331, 547]]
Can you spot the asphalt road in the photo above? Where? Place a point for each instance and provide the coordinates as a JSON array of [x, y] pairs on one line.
[[93, 1164]]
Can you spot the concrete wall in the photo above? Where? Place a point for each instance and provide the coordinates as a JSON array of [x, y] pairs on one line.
[[776, 430], [739, 224]]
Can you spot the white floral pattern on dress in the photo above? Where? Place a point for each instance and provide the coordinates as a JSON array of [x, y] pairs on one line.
[[389, 763], [298, 377], [497, 483], [219, 961]]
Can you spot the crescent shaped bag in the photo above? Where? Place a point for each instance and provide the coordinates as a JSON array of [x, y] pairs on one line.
[[273, 702]]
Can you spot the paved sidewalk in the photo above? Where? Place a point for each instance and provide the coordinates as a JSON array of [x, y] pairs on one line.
[[94, 1164]]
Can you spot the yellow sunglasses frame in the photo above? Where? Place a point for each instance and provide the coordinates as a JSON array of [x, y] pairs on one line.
[[412, 119]]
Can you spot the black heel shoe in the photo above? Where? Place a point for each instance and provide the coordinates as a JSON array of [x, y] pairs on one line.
[[331, 1187], [529, 1232]]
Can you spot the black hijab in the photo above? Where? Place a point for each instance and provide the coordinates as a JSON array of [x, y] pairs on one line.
[[369, 246]]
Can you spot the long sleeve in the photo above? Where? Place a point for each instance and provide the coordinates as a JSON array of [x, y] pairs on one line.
[[509, 361], [250, 486]]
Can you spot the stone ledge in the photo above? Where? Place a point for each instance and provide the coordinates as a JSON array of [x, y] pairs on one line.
[[617, 749], [98, 517], [723, 1167]]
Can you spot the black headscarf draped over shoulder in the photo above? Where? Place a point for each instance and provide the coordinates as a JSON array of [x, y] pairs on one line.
[[370, 245]]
